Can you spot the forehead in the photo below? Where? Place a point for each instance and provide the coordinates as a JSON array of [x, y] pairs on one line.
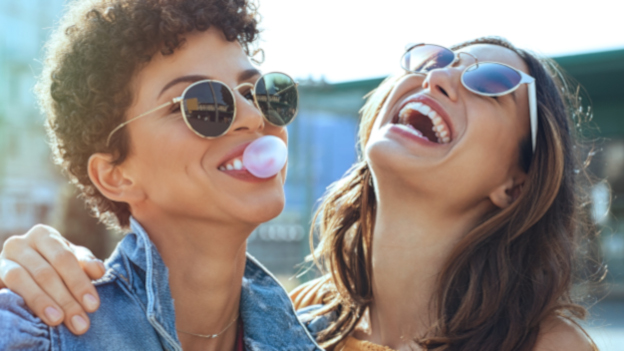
[[206, 53], [496, 53]]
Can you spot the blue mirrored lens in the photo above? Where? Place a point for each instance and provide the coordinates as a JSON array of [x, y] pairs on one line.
[[424, 58], [491, 78]]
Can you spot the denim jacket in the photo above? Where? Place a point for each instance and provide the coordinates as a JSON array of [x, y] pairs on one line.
[[137, 311]]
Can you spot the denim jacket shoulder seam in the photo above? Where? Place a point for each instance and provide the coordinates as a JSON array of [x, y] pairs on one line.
[[127, 288], [113, 276], [128, 270]]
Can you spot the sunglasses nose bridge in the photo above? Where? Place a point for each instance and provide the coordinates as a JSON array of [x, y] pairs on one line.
[[244, 85], [476, 60], [252, 90], [248, 115]]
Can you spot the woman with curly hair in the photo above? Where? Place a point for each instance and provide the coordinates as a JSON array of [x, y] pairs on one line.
[[458, 227], [150, 105]]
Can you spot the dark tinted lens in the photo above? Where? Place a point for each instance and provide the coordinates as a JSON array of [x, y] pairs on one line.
[[209, 108], [424, 58], [491, 78], [277, 97]]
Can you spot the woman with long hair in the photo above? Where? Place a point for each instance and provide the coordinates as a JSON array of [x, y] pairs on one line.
[[458, 228]]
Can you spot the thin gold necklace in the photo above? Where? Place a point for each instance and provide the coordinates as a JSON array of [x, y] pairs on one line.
[[210, 336]]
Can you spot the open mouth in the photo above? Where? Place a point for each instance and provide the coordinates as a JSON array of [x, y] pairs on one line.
[[233, 160], [235, 164], [424, 122]]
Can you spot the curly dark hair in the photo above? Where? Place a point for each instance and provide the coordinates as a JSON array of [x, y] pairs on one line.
[[91, 58]]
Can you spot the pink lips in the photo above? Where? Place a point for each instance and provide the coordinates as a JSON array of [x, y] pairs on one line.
[[240, 174], [234, 153], [256, 161], [244, 175], [410, 135]]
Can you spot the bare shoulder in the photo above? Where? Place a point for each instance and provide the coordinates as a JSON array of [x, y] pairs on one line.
[[560, 334]]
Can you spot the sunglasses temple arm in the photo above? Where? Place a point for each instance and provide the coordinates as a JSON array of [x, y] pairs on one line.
[[176, 100], [533, 113]]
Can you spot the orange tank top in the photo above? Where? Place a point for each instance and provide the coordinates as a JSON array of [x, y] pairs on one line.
[[353, 344]]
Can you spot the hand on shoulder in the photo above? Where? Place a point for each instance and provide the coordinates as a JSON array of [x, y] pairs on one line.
[[560, 334]]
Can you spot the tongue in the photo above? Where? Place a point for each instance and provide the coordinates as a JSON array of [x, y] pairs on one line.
[[265, 156]]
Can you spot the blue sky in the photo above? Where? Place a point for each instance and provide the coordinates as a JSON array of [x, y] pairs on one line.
[[349, 39]]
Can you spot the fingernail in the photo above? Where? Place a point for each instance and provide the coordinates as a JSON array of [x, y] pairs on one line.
[[90, 301], [79, 323], [52, 313], [102, 267]]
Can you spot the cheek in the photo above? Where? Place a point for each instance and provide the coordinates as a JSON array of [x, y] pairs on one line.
[[492, 143], [492, 126], [167, 147], [384, 111]]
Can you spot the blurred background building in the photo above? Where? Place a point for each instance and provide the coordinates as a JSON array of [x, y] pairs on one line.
[[29, 184], [322, 147]]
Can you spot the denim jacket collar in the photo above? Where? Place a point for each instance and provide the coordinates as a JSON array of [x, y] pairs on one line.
[[270, 322]]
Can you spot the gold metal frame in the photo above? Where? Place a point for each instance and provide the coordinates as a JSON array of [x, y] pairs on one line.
[[180, 98], [524, 78]]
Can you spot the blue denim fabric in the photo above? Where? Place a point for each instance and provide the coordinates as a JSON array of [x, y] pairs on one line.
[[137, 312]]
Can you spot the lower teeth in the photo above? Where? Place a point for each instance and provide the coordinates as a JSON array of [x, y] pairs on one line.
[[418, 132]]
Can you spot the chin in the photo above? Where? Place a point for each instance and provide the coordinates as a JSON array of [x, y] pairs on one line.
[[393, 169], [385, 155], [262, 215], [262, 209]]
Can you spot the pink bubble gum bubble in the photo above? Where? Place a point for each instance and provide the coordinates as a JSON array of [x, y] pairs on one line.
[[265, 156]]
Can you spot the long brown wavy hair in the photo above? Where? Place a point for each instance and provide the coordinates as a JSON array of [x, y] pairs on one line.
[[506, 275]]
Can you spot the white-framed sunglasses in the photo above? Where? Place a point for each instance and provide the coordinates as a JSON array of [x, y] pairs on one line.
[[482, 78]]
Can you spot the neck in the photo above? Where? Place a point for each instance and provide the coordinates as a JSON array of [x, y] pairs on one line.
[[206, 263], [413, 239]]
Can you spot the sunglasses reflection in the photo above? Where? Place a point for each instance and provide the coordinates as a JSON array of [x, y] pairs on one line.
[[210, 108], [208, 111], [211, 103]]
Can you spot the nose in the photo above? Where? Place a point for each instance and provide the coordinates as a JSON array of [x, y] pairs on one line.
[[443, 82], [248, 117]]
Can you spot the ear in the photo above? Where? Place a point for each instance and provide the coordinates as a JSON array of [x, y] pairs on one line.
[[506, 193], [112, 180]]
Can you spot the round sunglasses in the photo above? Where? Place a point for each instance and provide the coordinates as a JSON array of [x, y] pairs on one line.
[[482, 78], [209, 107]]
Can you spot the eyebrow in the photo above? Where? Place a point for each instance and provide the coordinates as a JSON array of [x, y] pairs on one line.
[[183, 79], [248, 73], [244, 75]]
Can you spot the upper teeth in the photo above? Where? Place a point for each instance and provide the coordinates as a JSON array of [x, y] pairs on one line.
[[233, 164], [439, 127]]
